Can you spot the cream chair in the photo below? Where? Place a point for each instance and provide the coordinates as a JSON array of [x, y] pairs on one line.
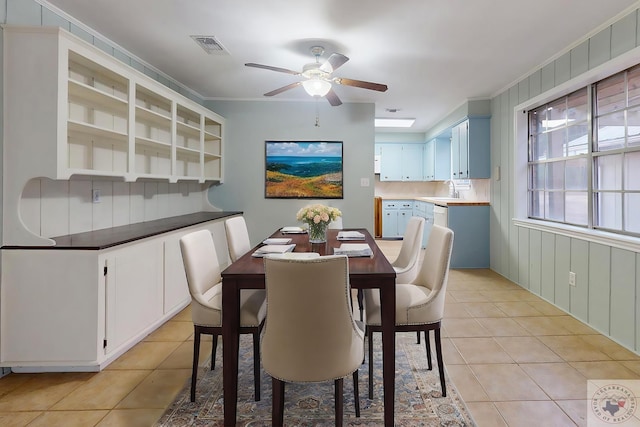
[[237, 237], [310, 334], [203, 276], [336, 224], [419, 305], [406, 264]]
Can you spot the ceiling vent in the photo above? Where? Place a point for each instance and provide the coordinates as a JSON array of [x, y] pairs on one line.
[[210, 45]]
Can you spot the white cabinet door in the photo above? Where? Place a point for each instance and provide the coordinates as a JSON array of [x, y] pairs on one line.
[[51, 303], [176, 289], [134, 291]]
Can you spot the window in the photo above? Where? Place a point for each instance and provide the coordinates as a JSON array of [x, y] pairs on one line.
[[584, 156]]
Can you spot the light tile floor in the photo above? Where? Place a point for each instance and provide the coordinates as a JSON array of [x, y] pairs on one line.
[[515, 359]]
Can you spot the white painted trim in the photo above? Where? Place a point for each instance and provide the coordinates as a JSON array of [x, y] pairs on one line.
[[594, 236]]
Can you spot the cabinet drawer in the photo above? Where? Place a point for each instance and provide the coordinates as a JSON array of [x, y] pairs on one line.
[[391, 204]]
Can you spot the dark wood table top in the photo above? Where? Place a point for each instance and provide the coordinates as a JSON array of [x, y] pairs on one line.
[[108, 237], [359, 267]]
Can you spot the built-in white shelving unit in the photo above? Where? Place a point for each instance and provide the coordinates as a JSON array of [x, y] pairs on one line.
[[73, 110]]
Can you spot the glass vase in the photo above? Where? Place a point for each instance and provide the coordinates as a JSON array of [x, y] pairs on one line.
[[318, 232]]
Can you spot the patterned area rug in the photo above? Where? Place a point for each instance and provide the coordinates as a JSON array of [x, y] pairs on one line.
[[419, 401]]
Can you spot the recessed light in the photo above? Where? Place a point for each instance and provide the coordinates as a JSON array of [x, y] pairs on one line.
[[394, 123]]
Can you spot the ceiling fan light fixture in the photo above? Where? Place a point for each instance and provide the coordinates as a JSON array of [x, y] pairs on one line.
[[394, 123], [316, 87]]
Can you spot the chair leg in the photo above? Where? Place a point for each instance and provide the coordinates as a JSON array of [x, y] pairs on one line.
[[256, 365], [418, 337], [277, 403], [339, 400], [214, 347], [370, 338], [440, 363], [427, 344], [360, 302], [356, 393], [196, 356]]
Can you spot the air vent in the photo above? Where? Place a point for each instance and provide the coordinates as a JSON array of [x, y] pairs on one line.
[[210, 45]]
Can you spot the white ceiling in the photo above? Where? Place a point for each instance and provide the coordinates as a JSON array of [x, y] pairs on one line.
[[432, 54]]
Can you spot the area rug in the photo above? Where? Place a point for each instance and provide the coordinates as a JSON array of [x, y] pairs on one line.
[[419, 401]]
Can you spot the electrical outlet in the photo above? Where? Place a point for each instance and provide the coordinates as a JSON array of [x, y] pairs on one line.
[[572, 278], [95, 195]]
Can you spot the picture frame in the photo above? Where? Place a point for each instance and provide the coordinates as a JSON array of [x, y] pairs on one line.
[[303, 170]]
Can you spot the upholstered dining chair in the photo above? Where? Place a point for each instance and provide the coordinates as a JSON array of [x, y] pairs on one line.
[[420, 304], [406, 263], [205, 286], [336, 224], [237, 237], [303, 296]]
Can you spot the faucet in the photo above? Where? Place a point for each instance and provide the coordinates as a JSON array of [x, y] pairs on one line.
[[452, 189]]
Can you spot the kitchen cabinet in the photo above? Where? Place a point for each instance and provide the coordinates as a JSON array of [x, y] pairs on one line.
[[470, 225], [470, 149], [390, 162], [401, 162], [395, 216], [79, 308], [437, 159]]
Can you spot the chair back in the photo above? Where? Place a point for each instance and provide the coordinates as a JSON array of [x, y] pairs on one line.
[[237, 237], [336, 224], [406, 263], [310, 334], [434, 272], [203, 276]]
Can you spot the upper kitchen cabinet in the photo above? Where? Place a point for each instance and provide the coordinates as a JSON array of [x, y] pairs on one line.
[[470, 149], [437, 159], [71, 109], [401, 162]]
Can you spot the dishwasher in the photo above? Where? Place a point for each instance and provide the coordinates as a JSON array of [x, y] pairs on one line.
[[440, 214]]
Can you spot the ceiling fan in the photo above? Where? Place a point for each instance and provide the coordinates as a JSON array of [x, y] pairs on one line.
[[318, 77]]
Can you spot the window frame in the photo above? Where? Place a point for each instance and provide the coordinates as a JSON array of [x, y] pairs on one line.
[[520, 149]]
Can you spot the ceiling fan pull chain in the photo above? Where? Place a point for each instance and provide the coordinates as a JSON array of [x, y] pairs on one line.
[[317, 113]]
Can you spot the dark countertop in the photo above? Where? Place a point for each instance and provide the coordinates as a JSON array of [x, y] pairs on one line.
[[108, 237]]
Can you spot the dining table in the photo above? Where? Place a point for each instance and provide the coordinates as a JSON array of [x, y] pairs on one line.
[[366, 272]]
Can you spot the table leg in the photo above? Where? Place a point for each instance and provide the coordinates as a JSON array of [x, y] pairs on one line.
[[388, 319], [230, 347]]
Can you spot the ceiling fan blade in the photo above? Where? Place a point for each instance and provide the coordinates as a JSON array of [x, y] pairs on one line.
[[333, 62], [282, 89], [333, 98], [268, 67], [359, 83]]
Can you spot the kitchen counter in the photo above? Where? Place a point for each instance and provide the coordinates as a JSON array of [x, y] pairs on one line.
[[108, 237], [441, 201]]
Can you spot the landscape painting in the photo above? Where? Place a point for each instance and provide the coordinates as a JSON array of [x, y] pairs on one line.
[[303, 169]]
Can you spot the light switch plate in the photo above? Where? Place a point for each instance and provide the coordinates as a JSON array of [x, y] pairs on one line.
[[364, 182], [95, 195], [572, 278]]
